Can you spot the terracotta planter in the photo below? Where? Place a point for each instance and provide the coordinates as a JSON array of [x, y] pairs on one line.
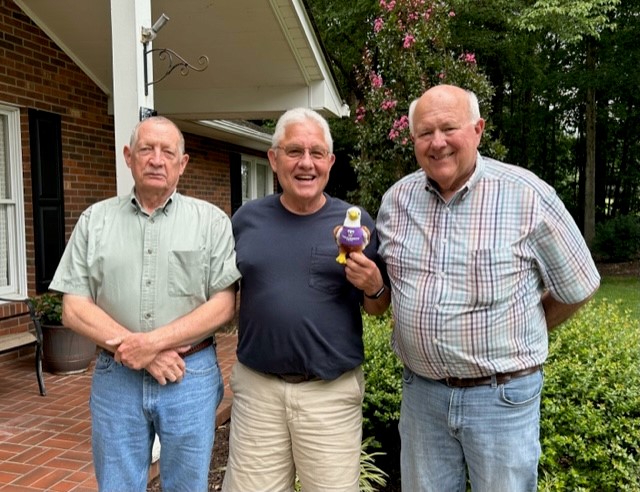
[[65, 351]]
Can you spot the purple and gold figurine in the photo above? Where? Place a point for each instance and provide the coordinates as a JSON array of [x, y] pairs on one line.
[[350, 236]]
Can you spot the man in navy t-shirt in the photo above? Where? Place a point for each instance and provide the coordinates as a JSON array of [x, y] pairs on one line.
[[298, 385]]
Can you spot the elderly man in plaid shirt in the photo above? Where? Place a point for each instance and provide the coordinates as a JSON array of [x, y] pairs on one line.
[[483, 260]]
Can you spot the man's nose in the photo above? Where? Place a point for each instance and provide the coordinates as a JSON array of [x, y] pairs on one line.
[[438, 139], [156, 157]]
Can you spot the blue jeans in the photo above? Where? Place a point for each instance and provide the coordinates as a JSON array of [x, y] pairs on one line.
[[129, 407], [493, 431]]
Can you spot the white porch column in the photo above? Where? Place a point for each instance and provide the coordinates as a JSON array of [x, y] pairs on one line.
[[127, 19]]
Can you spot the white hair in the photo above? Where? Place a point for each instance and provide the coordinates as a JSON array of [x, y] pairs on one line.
[[300, 115]]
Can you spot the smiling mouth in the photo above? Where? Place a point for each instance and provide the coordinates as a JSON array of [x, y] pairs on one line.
[[441, 157], [305, 178]]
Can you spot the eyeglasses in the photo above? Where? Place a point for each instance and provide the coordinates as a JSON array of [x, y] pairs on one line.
[[297, 152]]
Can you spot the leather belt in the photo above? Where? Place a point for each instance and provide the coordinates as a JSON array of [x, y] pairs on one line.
[[297, 378], [207, 342], [500, 378]]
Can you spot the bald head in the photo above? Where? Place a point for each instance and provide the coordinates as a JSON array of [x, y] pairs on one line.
[[440, 94]]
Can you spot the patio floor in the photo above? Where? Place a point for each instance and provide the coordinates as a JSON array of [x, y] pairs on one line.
[[45, 441]]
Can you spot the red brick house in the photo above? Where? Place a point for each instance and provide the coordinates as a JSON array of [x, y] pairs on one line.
[[65, 116]]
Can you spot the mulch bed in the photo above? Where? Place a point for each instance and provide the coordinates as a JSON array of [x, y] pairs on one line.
[[626, 269]]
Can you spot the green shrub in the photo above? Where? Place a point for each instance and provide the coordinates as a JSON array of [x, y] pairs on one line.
[[383, 376], [617, 239], [590, 425], [48, 308]]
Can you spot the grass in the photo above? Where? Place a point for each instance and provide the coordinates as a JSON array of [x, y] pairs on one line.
[[626, 290]]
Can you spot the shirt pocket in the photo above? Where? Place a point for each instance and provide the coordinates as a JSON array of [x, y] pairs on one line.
[[491, 276], [325, 273], [186, 273]]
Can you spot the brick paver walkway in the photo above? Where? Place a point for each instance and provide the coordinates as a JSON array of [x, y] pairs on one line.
[[45, 440]]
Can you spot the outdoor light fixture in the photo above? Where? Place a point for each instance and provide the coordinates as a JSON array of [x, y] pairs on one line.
[[149, 34], [173, 59]]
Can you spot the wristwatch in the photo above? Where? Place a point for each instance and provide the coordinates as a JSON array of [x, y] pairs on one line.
[[377, 294]]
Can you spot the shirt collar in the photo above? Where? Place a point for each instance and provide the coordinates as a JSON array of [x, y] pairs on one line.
[[164, 208]]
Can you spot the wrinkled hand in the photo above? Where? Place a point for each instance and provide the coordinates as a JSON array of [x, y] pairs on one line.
[[363, 273], [168, 366], [134, 350]]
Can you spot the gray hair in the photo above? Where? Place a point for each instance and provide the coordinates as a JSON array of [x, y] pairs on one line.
[[301, 115], [474, 109], [158, 119]]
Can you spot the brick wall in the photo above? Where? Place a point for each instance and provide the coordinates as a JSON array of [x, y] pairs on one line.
[[207, 174]]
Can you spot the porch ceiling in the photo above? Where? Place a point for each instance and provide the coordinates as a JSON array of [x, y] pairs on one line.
[[264, 56]]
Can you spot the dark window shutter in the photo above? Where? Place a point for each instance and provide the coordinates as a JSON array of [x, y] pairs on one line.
[[45, 134], [236, 182]]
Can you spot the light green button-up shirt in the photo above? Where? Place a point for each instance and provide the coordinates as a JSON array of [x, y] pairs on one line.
[[147, 270]]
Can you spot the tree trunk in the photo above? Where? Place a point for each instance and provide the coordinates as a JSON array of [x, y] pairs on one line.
[[590, 167]]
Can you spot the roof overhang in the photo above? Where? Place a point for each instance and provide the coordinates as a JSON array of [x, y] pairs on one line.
[[264, 56], [234, 132]]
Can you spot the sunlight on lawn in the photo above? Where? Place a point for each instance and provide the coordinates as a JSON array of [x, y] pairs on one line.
[[625, 289]]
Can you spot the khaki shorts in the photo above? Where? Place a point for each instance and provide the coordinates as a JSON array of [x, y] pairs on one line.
[[277, 429]]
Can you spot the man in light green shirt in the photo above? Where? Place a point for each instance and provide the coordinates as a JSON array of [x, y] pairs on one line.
[[149, 277]]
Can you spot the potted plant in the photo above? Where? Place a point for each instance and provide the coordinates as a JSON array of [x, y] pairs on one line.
[[63, 350]]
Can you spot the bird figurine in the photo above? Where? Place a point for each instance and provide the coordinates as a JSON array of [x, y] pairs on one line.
[[351, 236]]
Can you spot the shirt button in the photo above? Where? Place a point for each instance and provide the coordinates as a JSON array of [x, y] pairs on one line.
[[149, 251], [147, 315]]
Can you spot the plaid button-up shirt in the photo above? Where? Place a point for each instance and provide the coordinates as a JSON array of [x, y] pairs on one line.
[[467, 275]]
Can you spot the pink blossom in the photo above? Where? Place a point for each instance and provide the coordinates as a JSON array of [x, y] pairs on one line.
[[469, 58], [409, 39], [401, 123], [441, 75], [376, 80], [360, 113], [378, 24], [452, 14], [388, 6], [388, 104]]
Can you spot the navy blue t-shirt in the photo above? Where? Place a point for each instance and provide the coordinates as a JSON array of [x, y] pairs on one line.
[[298, 312]]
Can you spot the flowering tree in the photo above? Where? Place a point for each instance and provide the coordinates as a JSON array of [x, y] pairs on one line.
[[407, 51]]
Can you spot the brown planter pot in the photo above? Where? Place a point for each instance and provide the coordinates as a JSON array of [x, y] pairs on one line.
[[65, 351]]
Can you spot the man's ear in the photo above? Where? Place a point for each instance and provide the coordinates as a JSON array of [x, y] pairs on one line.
[[127, 155], [183, 164], [271, 154]]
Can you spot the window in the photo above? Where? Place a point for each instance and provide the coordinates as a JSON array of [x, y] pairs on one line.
[[13, 276], [257, 178]]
